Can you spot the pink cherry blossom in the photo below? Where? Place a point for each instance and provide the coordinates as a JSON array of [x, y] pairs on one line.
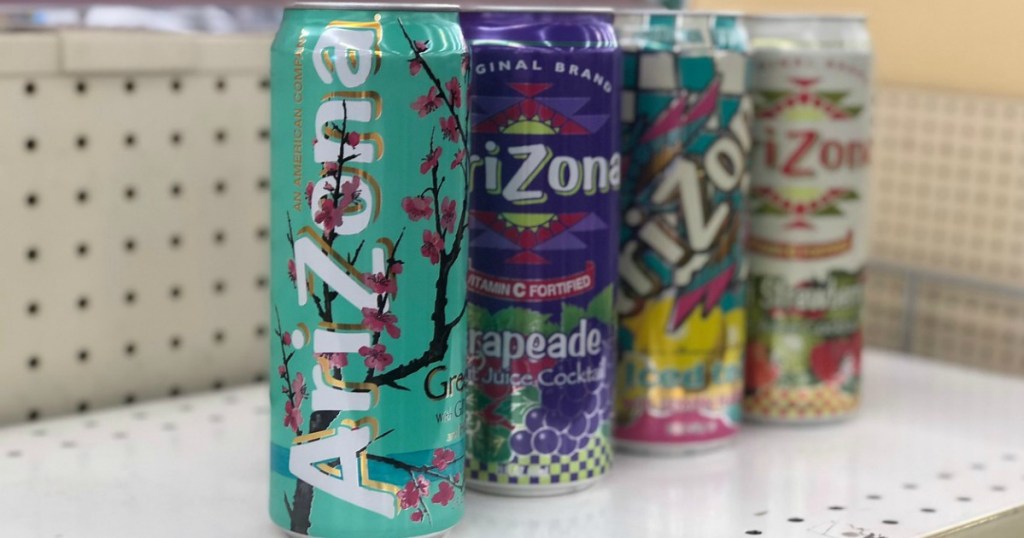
[[456, 478], [421, 46], [299, 387], [309, 193], [449, 128], [378, 321], [415, 65], [455, 91], [349, 192], [425, 104], [465, 63], [282, 370], [286, 338], [291, 271], [377, 356], [338, 360], [417, 516], [397, 267], [448, 214], [409, 495], [443, 457], [352, 139], [458, 158], [445, 494], [433, 244], [423, 486], [293, 416], [329, 215], [380, 283], [430, 160], [418, 207], [329, 169]]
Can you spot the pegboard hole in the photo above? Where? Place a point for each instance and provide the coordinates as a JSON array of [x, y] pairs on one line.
[[83, 406], [264, 83], [82, 303], [82, 196], [32, 254], [998, 488], [69, 444], [129, 349], [129, 86], [33, 362], [129, 399], [219, 336], [175, 85], [890, 522], [129, 140], [176, 190], [32, 308], [262, 233], [220, 186], [175, 342], [30, 88], [221, 84], [264, 134], [220, 136], [754, 533], [909, 486], [175, 241], [218, 384], [261, 282], [82, 250], [219, 237], [120, 436], [219, 286], [175, 391], [175, 138], [129, 193], [30, 144], [129, 245], [261, 331], [835, 508], [964, 499], [81, 141], [81, 87], [83, 355], [175, 292], [263, 184], [928, 510], [795, 520], [129, 297], [33, 415], [32, 199]]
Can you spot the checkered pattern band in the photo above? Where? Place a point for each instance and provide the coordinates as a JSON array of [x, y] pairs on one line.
[[803, 403], [592, 461]]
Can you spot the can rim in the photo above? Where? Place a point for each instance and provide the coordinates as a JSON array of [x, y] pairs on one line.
[[373, 6], [652, 11], [842, 17], [713, 13], [485, 8]]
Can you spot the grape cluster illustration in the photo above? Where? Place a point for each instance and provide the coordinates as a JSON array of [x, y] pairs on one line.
[[567, 416]]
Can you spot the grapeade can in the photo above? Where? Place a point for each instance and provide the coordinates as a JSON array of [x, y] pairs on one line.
[[686, 119], [369, 220], [544, 178], [811, 85]]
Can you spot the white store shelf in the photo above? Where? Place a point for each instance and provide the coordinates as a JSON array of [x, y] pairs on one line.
[[934, 448]]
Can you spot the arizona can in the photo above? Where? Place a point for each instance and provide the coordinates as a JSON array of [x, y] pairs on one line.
[[369, 223], [544, 175], [686, 121], [811, 87]]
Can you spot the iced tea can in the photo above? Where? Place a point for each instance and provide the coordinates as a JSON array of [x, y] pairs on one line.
[[686, 145], [368, 282], [811, 83], [544, 176]]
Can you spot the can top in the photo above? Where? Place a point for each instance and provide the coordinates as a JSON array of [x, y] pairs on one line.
[[785, 17], [487, 8], [825, 32], [374, 6]]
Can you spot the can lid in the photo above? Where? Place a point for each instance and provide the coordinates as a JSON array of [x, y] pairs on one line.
[[713, 13], [486, 8], [373, 6], [641, 11], [779, 17]]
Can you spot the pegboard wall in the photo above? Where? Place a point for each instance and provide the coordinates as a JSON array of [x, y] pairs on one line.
[[133, 196], [947, 227]]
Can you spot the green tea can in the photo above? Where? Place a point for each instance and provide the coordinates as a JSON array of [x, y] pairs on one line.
[[368, 279]]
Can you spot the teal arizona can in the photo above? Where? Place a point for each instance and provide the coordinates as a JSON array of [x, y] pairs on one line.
[[368, 283]]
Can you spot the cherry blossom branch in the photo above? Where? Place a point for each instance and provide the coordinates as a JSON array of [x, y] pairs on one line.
[[286, 358], [437, 82], [429, 470]]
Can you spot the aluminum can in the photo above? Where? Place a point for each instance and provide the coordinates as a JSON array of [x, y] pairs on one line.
[[686, 144], [544, 176], [811, 82], [368, 250]]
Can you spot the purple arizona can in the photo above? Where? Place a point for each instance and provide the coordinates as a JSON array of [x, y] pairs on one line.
[[544, 179]]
